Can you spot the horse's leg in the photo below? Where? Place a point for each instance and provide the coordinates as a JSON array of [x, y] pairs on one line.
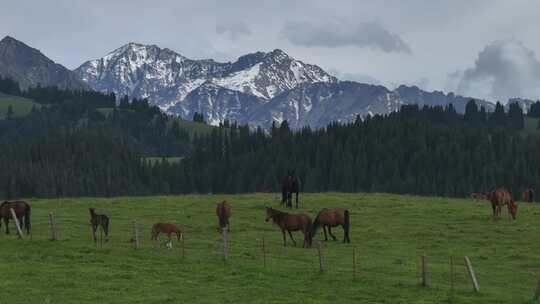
[[290, 234], [330, 232], [228, 225], [94, 229], [324, 230], [106, 230], [284, 238], [6, 222]]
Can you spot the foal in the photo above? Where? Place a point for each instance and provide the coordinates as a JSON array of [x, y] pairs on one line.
[[168, 229], [99, 220]]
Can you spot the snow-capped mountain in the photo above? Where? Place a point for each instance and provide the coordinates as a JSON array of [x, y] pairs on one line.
[[166, 78], [147, 71], [256, 89]]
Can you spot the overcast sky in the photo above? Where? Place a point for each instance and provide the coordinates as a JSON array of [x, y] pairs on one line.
[[481, 48]]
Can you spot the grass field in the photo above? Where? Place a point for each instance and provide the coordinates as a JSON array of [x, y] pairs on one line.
[[531, 126], [21, 106], [389, 233]]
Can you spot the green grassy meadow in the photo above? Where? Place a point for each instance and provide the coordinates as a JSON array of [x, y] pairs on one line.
[[21, 106], [389, 234]]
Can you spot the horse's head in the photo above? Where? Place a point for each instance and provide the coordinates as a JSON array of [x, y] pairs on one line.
[[512, 209], [269, 213]]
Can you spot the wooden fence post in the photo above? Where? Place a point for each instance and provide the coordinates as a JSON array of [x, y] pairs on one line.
[[425, 274], [52, 225], [14, 216], [183, 246], [452, 274], [225, 244], [471, 274], [321, 257], [100, 238], [537, 292], [354, 264], [264, 251], [135, 235]]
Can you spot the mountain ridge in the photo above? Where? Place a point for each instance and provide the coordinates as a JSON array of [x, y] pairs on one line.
[[256, 89]]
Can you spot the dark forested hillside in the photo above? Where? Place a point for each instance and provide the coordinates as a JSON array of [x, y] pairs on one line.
[[83, 143]]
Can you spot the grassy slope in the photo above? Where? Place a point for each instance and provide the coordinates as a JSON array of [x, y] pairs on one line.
[[531, 126], [389, 232], [21, 106]]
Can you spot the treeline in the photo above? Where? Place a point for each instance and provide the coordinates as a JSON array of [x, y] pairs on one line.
[[76, 146]]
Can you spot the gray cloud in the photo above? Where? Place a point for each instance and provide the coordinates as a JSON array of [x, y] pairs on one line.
[[503, 69], [340, 34], [234, 29]]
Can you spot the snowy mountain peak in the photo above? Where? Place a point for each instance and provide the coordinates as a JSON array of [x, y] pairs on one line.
[[166, 77]]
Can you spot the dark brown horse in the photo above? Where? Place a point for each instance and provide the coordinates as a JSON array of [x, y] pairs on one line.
[[528, 195], [500, 197], [328, 218], [97, 220], [291, 222], [22, 211], [168, 229], [223, 212], [291, 184]]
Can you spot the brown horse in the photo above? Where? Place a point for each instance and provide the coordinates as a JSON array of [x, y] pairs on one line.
[[22, 211], [478, 195], [97, 220], [223, 212], [500, 197], [167, 228], [291, 222], [328, 218], [528, 195]]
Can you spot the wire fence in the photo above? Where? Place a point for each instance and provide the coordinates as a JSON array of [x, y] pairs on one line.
[[332, 259]]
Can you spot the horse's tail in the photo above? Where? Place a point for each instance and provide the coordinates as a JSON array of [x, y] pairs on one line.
[[346, 224], [27, 218], [316, 224]]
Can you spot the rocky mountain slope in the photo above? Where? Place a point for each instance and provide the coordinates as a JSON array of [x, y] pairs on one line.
[[29, 67]]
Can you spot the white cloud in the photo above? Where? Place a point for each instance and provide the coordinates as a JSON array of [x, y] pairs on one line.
[[503, 69]]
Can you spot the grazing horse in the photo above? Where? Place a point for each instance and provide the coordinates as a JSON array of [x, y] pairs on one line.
[[167, 228], [291, 222], [500, 197], [22, 211], [291, 184], [334, 217], [478, 195], [528, 195], [223, 212], [97, 220]]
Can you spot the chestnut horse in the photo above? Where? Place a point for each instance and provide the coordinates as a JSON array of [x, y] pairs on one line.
[[328, 218], [528, 195], [500, 197], [223, 212], [291, 222], [167, 228], [22, 211], [97, 220]]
